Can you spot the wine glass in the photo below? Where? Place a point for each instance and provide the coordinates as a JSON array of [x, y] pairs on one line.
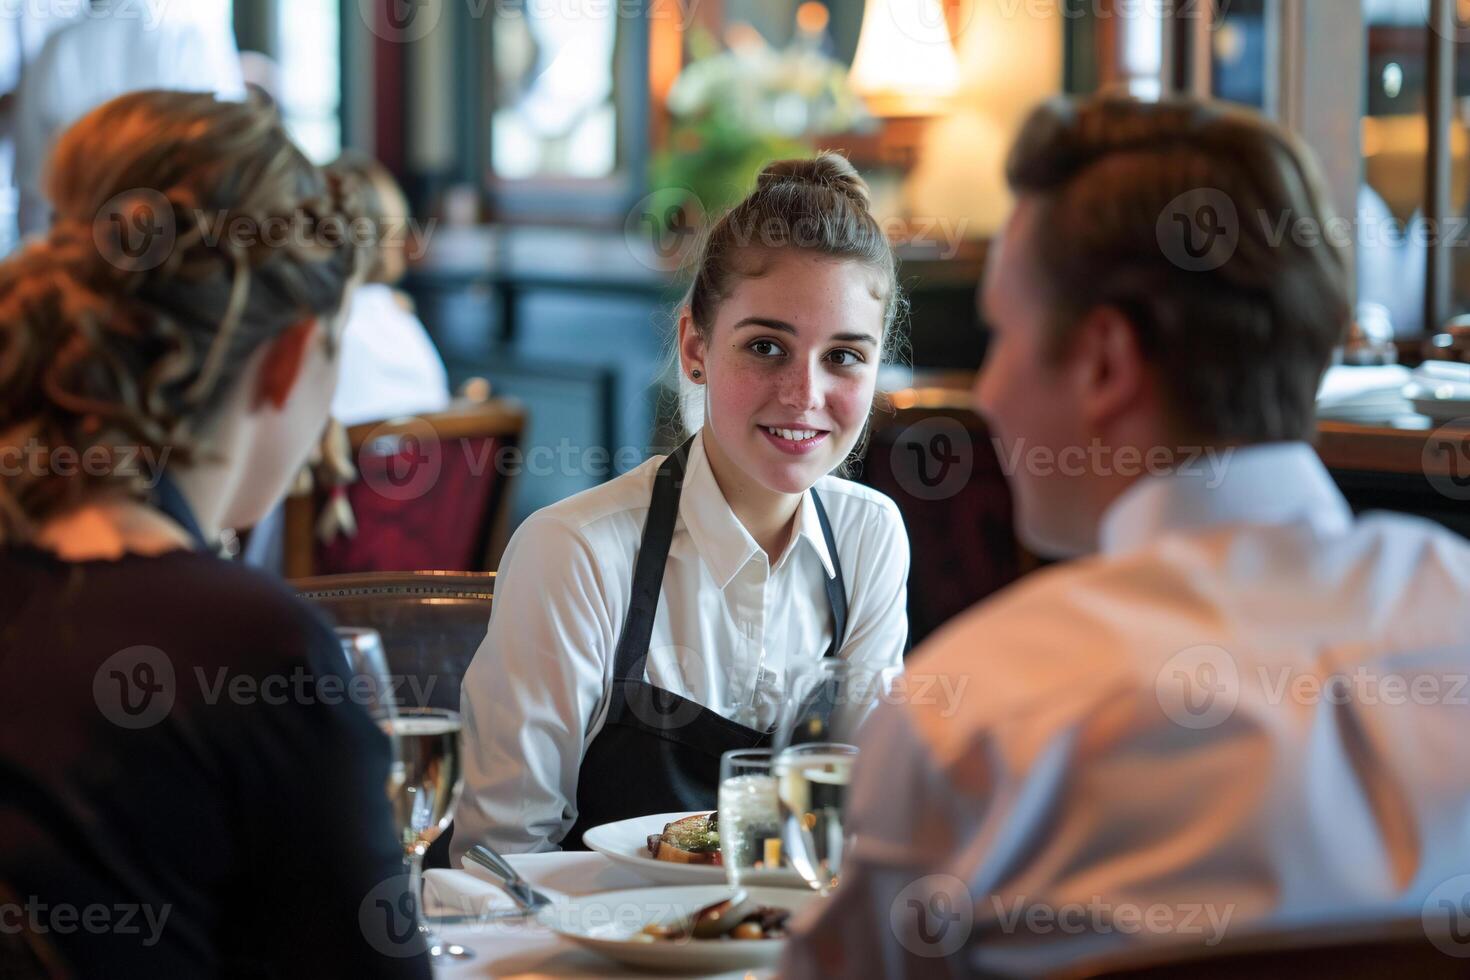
[[810, 705], [363, 649], [811, 784], [423, 787], [749, 815]]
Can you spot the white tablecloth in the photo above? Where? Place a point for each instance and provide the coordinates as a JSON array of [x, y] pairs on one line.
[[517, 948]]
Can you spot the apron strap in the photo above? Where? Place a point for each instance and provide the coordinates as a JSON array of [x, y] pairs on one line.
[[836, 590], [648, 572], [168, 498]]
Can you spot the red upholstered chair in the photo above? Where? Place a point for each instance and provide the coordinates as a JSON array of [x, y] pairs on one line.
[[933, 455], [432, 493]]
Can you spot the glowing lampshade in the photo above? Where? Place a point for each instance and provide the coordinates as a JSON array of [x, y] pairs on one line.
[[905, 63]]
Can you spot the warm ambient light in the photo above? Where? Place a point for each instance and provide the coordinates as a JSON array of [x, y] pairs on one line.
[[905, 63]]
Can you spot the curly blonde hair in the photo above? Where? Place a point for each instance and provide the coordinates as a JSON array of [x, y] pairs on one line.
[[125, 326]]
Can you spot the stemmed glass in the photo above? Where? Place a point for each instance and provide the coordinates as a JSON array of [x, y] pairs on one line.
[[363, 649], [423, 788], [424, 777], [827, 699], [811, 783]]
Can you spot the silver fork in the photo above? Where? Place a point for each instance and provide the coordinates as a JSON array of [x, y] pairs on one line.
[[518, 888]]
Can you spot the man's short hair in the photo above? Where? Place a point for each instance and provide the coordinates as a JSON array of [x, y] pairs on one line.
[[1196, 220]]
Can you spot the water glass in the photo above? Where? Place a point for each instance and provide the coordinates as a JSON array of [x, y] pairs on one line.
[[749, 815]]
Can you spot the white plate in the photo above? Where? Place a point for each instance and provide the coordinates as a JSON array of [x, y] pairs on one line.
[[611, 923], [1441, 400], [625, 843]]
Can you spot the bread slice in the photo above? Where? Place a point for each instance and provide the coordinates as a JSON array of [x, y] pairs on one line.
[[692, 840]]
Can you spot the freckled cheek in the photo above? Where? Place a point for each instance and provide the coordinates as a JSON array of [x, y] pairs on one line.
[[850, 400], [737, 396]]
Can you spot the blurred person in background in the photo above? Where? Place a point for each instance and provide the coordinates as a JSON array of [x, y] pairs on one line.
[[112, 49], [1190, 728], [389, 365], [24, 28], [144, 407]]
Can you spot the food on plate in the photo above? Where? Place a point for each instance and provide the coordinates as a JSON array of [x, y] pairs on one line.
[[692, 840], [731, 918]]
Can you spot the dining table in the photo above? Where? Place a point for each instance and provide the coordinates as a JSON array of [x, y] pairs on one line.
[[467, 907]]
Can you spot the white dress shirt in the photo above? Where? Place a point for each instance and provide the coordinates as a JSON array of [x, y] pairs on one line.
[[729, 627], [1150, 745], [187, 47], [389, 366]]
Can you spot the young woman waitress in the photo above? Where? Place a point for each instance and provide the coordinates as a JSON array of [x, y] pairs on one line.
[[644, 627]]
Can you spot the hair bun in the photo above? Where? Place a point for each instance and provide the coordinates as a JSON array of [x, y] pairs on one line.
[[830, 170]]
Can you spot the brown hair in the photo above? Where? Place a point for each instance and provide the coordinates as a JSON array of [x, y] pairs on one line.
[[112, 340], [821, 205], [370, 178], [1239, 333]]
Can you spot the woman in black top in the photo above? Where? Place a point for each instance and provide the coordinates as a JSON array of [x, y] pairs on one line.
[[185, 787]]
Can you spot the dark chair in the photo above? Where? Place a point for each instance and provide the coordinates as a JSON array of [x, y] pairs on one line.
[[1346, 951], [934, 457], [432, 493], [431, 623]]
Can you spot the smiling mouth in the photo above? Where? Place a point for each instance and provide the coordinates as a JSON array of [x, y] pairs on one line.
[[795, 435]]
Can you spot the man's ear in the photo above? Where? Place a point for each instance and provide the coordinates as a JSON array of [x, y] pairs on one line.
[[691, 346], [284, 358], [1108, 366]]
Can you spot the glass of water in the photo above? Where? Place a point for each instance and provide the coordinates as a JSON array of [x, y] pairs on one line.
[[749, 817], [811, 784]]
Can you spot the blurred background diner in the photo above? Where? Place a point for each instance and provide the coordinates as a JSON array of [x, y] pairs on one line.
[[537, 174]]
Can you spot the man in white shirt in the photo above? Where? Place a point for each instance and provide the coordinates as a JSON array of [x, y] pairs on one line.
[[1245, 707], [113, 49]]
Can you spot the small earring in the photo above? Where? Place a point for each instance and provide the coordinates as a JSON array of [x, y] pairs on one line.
[[695, 375]]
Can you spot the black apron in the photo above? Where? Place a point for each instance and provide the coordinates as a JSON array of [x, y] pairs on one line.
[[658, 752]]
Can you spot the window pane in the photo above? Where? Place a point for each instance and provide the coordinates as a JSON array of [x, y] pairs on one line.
[[1391, 254], [311, 65], [554, 113], [1239, 41]]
